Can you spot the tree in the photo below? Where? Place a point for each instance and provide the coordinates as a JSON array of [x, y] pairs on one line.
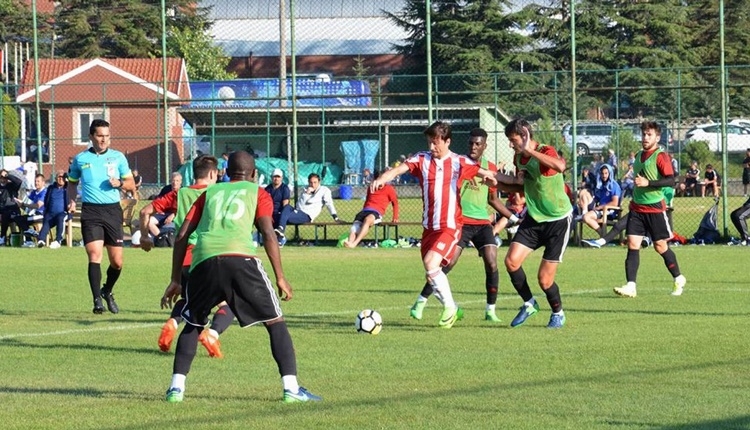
[[11, 126], [205, 61]]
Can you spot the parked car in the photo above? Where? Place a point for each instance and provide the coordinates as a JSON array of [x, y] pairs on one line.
[[742, 122], [594, 137], [738, 138]]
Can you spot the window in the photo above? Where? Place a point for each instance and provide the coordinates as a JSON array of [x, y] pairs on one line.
[[82, 122]]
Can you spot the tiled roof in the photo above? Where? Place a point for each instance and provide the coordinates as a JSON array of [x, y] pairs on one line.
[[148, 69], [42, 6]]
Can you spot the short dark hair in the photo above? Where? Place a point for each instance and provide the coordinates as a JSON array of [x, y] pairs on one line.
[[478, 132], [96, 124], [708, 166], [651, 125], [517, 126], [313, 175], [39, 175], [240, 165], [203, 165], [439, 129]]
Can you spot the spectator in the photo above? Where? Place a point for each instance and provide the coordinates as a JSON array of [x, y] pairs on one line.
[[174, 184], [33, 206], [628, 182], [746, 172], [309, 206], [29, 171], [366, 177], [10, 185], [607, 197], [279, 192], [516, 204], [612, 161], [588, 179], [223, 177], [739, 219], [711, 179], [55, 201], [372, 213], [138, 182], [688, 186]]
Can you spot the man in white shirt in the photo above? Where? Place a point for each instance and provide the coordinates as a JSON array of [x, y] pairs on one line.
[[309, 206], [29, 172]]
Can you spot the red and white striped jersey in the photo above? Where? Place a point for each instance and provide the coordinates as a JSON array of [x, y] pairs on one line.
[[440, 181]]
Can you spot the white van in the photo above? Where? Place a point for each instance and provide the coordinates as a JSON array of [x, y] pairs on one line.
[[591, 137]]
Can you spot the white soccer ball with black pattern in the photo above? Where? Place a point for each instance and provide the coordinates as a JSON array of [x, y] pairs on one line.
[[368, 322]]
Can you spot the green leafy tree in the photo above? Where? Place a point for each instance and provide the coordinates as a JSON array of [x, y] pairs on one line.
[[205, 61], [11, 126]]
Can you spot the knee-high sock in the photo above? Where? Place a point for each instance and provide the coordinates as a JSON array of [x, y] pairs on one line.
[[112, 276], [427, 289], [492, 279], [95, 279], [282, 348], [441, 287], [670, 260], [518, 279], [223, 318], [632, 261], [553, 297], [187, 345]]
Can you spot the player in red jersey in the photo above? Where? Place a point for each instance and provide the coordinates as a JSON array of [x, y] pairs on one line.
[[372, 213], [440, 173]]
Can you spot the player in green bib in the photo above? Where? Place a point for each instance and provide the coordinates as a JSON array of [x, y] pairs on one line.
[[477, 228], [547, 222], [648, 210], [225, 268]]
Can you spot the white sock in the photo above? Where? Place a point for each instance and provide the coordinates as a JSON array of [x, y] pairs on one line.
[[490, 308], [178, 381], [443, 290], [422, 298], [213, 333], [559, 313], [631, 285], [531, 302], [290, 383], [601, 241]]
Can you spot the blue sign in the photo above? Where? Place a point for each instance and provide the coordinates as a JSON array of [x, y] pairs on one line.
[[262, 93]]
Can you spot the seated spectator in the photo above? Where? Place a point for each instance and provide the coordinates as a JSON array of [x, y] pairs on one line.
[[712, 180], [279, 192], [32, 208], [628, 182], [516, 205], [10, 185], [688, 187], [135, 194], [309, 206], [366, 177], [588, 179], [55, 211], [372, 213], [174, 184], [606, 198], [739, 219]]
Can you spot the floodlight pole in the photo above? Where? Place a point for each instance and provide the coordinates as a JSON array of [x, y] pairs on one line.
[[37, 108], [574, 103], [295, 155], [165, 85], [428, 33], [724, 102]]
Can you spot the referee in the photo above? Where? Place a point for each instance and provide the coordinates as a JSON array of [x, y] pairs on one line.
[[102, 173]]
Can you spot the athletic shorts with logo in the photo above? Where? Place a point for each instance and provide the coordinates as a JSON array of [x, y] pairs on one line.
[[480, 235], [102, 222], [443, 242], [654, 225], [240, 281], [552, 235]]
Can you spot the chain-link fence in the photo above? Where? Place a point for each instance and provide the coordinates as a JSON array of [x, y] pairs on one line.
[[355, 91]]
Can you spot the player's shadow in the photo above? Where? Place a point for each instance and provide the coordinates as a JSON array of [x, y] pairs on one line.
[[15, 343]]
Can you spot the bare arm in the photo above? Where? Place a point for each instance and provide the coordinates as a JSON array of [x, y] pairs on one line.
[[72, 193], [498, 205], [144, 218], [555, 163], [388, 176]]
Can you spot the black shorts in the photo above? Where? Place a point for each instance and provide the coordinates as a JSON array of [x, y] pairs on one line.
[[102, 222], [552, 235], [365, 213], [654, 225], [240, 281], [745, 176], [479, 235]]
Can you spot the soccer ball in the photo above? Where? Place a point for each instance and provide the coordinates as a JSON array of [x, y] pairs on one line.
[[368, 322]]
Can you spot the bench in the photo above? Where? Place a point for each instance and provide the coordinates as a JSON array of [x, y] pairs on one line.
[[128, 212], [385, 227], [604, 222]]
